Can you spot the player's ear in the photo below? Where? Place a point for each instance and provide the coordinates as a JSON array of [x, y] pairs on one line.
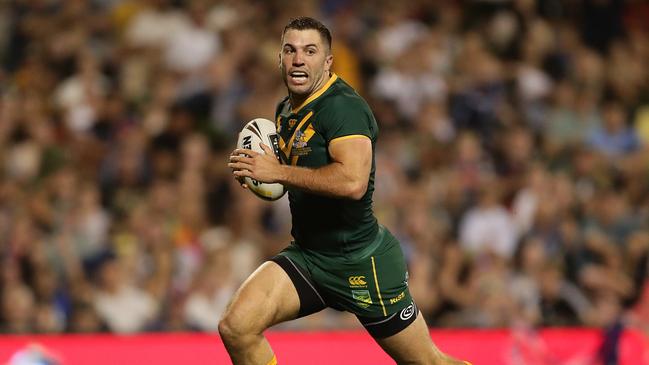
[[279, 60], [329, 60]]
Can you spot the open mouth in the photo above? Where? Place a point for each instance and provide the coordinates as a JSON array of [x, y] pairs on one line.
[[298, 77]]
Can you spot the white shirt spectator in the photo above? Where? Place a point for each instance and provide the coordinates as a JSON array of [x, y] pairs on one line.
[[488, 228], [524, 209], [409, 90], [151, 28], [127, 310], [394, 39], [203, 309], [191, 48], [533, 84], [72, 96]]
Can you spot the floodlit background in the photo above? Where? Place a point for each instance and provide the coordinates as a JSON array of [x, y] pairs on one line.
[[513, 158]]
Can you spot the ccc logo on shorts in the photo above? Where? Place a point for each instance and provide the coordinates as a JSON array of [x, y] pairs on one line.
[[407, 312], [357, 281]]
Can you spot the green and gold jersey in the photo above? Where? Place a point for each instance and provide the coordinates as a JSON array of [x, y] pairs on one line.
[[334, 112]]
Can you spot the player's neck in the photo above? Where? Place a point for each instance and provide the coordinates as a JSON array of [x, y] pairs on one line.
[[297, 100]]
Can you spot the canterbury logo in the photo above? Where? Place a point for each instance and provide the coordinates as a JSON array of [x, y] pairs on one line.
[[357, 281]]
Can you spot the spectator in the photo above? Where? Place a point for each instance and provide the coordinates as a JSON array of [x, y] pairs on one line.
[[614, 138], [211, 293], [19, 309], [124, 307], [488, 229]]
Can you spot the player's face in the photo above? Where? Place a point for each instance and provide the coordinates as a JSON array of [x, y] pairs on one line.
[[305, 61]]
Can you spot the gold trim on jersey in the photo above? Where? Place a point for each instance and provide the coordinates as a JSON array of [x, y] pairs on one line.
[[286, 147], [316, 94], [351, 136], [378, 291], [278, 127]]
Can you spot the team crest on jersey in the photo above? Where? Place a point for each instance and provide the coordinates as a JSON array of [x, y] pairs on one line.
[[292, 122], [300, 140], [300, 147]]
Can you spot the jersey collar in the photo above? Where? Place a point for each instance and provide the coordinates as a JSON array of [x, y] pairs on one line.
[[317, 94]]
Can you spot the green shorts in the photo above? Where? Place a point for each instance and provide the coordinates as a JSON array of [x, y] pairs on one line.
[[371, 283]]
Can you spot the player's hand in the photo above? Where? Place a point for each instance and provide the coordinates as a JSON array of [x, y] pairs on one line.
[[263, 167], [240, 180]]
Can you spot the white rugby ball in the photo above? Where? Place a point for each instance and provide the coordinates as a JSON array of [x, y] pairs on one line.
[[255, 131]]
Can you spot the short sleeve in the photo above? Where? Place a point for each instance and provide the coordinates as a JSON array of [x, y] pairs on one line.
[[344, 117]]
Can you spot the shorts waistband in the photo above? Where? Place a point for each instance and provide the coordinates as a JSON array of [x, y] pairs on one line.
[[355, 251]]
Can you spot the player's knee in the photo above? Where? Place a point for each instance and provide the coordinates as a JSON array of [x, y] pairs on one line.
[[235, 327], [230, 328]]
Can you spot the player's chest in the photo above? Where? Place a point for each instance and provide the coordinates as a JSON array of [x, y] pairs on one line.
[[299, 141]]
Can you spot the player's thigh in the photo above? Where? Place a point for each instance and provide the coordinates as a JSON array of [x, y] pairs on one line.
[[266, 298], [413, 345]]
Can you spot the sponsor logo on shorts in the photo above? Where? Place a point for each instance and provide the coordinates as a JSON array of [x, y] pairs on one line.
[[407, 312], [357, 281], [398, 297], [362, 298]]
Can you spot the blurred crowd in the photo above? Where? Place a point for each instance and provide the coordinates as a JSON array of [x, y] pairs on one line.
[[513, 157]]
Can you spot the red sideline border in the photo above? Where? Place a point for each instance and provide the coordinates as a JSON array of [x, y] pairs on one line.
[[564, 346]]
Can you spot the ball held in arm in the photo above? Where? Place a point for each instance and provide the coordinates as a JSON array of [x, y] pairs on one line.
[[256, 131]]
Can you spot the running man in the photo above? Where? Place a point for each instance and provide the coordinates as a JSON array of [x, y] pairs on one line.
[[340, 257]]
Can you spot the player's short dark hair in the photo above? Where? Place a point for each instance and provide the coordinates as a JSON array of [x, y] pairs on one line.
[[304, 23]]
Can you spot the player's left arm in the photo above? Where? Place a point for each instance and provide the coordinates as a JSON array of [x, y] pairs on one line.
[[346, 176]]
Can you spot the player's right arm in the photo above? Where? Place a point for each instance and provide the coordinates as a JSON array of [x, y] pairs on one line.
[[346, 176]]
